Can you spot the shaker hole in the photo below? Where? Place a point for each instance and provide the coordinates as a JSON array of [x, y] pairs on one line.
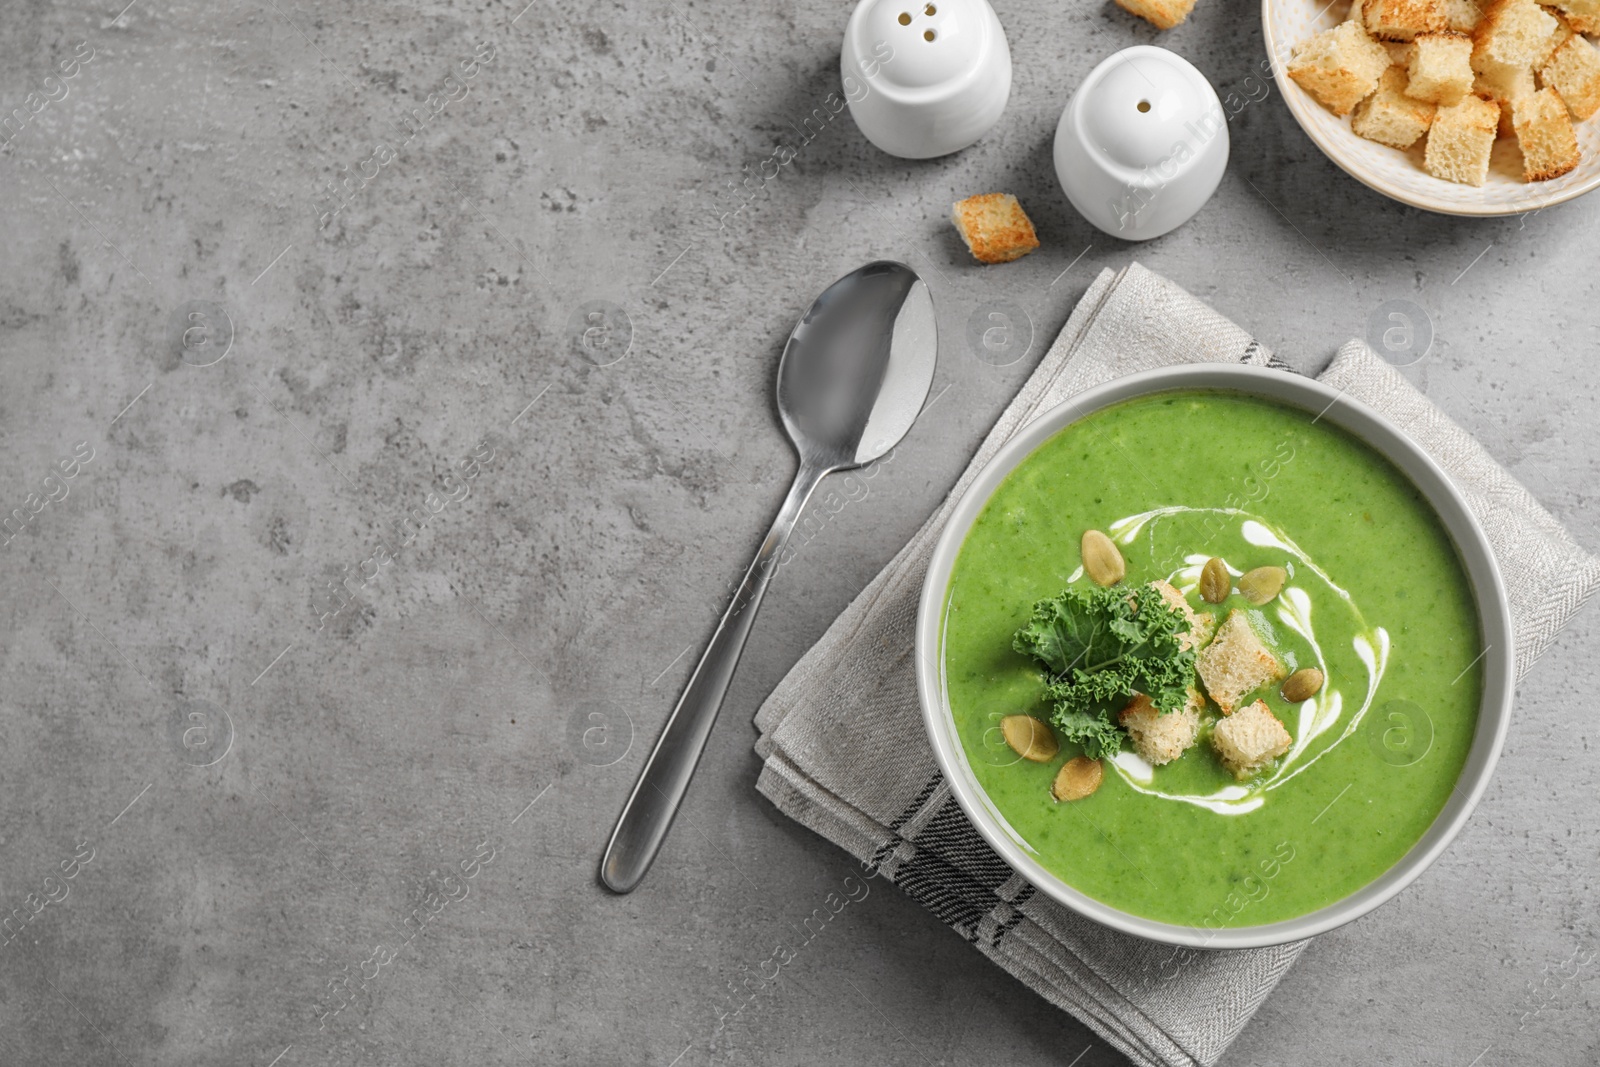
[[930, 10], [1144, 105], [928, 35], [905, 18]]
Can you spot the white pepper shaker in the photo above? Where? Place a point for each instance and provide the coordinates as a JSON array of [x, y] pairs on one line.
[[930, 77], [1142, 144]]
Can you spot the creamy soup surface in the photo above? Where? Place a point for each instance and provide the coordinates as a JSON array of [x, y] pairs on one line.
[[1377, 599]]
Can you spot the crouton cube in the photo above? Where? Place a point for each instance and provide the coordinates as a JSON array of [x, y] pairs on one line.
[[1502, 83], [1512, 34], [1340, 67], [1544, 133], [1395, 47], [1573, 71], [1555, 39], [1201, 624], [1401, 20], [1389, 116], [995, 227], [1236, 663], [1462, 16], [1162, 737], [1249, 738], [1163, 14], [1460, 140], [1583, 15], [1441, 67]]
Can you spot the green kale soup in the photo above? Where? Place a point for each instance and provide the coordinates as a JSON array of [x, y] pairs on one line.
[[1371, 596]]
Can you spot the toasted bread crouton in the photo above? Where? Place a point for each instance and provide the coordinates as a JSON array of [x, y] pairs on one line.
[[1163, 14], [1583, 15], [1441, 67], [1512, 34], [1401, 20], [1460, 140], [1236, 663], [1503, 84], [1573, 71], [995, 227], [1555, 39], [1462, 16], [1201, 624], [1389, 116], [1162, 737], [1396, 48], [1249, 738], [1340, 67], [1545, 134]]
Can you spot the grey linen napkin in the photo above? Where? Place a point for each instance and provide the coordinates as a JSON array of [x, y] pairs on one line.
[[846, 755]]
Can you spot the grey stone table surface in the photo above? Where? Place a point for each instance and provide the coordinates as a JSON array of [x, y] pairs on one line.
[[248, 821]]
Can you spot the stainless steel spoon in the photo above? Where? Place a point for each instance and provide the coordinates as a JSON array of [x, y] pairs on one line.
[[851, 382]]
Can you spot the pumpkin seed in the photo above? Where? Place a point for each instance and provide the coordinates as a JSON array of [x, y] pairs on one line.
[[1029, 738], [1215, 581], [1262, 584], [1303, 684], [1101, 560], [1078, 777]]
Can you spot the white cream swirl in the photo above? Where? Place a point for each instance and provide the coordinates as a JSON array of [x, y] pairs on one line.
[[1316, 716]]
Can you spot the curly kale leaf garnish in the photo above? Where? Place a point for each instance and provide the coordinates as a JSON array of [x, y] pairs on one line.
[[1100, 647]]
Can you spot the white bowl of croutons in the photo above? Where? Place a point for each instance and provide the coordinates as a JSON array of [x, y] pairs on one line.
[[1447, 105]]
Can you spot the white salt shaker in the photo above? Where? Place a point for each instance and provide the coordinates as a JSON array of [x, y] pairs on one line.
[[1142, 144], [925, 78]]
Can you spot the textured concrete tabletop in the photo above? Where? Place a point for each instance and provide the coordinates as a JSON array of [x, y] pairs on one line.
[[229, 791]]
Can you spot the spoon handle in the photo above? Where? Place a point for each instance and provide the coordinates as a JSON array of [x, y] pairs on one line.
[[648, 815]]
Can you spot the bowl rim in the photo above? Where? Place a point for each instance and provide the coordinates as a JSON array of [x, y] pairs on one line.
[[1301, 104], [1450, 507]]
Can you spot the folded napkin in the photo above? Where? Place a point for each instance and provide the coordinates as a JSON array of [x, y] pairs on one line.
[[846, 754]]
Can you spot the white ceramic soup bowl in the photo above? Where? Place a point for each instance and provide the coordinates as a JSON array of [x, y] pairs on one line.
[[1290, 390]]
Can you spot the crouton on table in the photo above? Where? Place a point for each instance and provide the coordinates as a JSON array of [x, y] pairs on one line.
[[1164, 14], [995, 227]]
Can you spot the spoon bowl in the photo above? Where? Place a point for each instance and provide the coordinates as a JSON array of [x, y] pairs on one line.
[[851, 381]]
